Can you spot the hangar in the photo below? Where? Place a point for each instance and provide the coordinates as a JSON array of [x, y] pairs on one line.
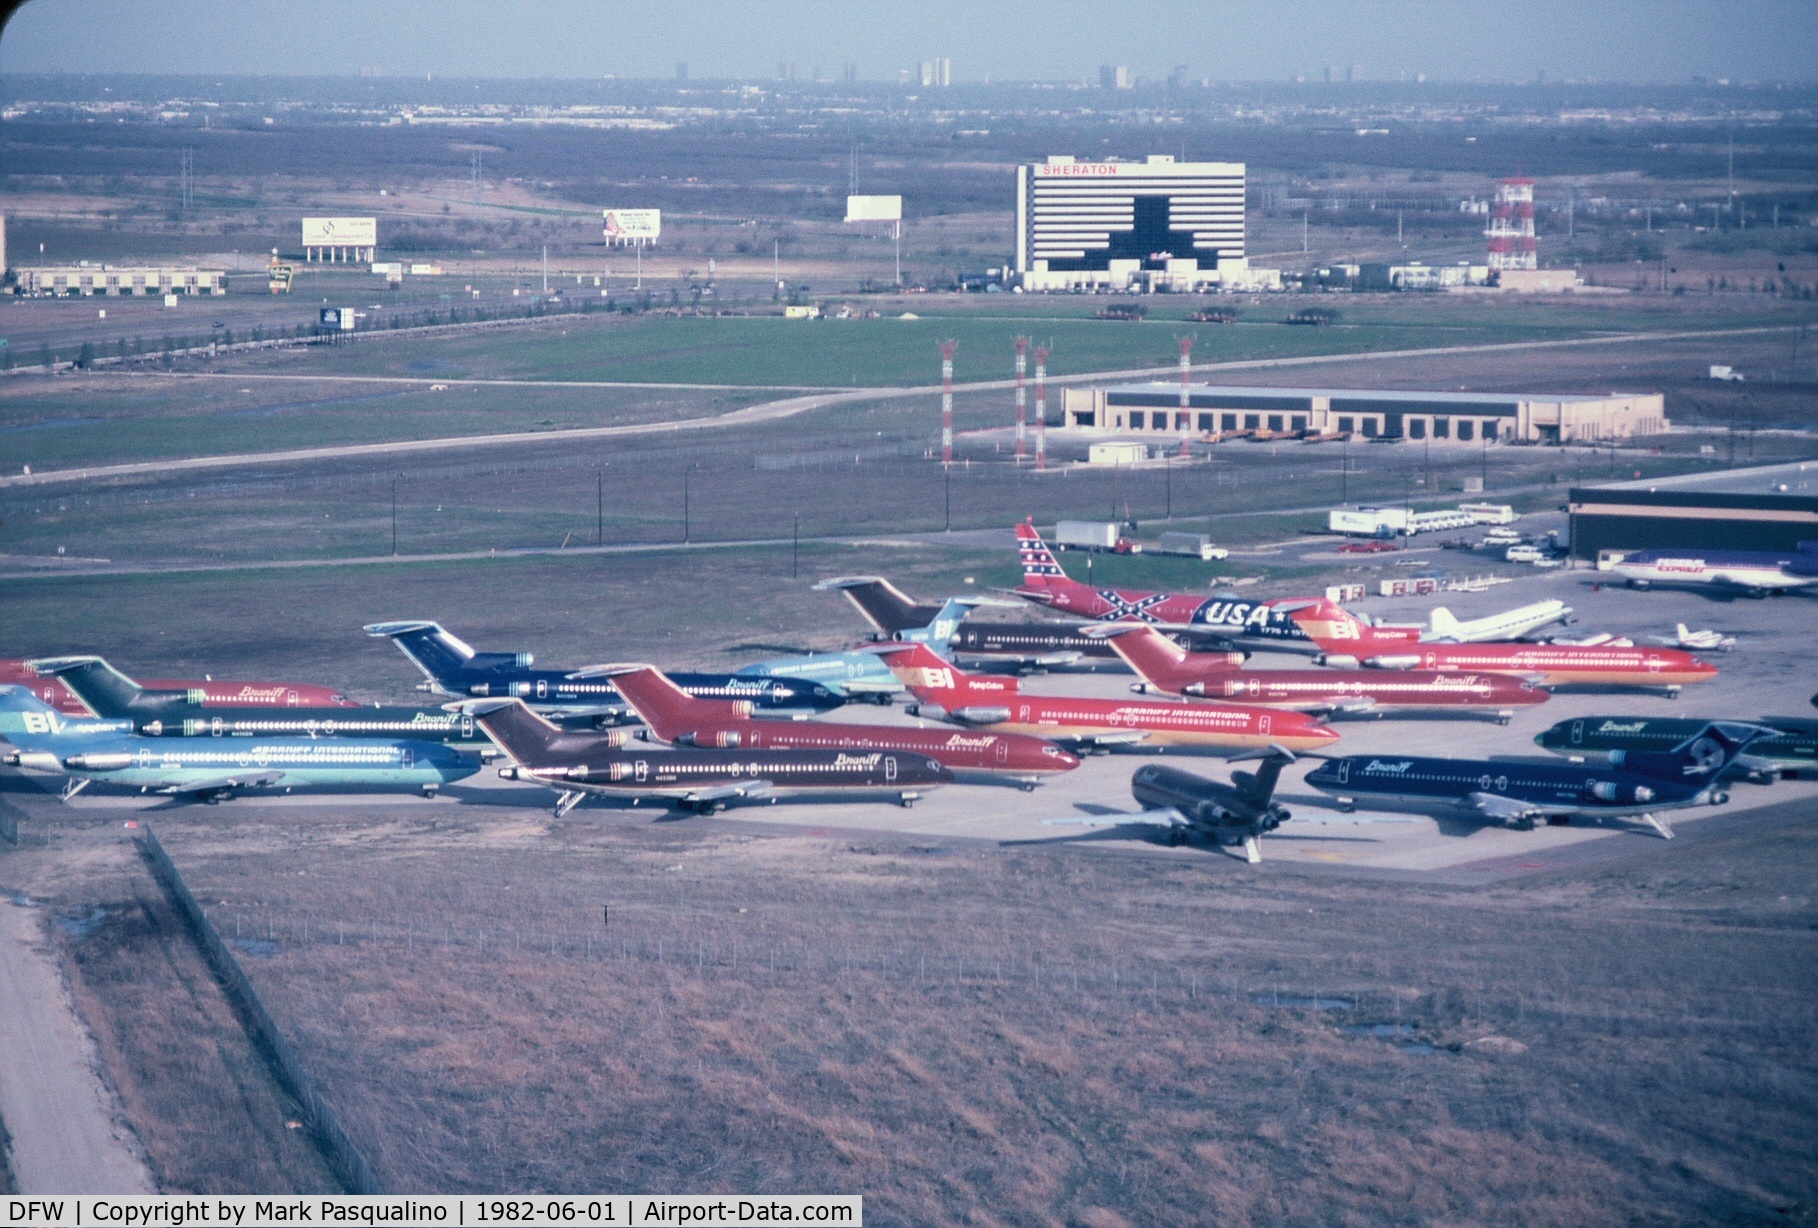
[[1463, 417], [1773, 508]]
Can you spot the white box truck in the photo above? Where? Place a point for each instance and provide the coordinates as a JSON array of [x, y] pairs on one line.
[[1368, 521], [1194, 545]]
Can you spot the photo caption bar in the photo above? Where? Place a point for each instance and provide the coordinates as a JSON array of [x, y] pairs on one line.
[[465, 1211]]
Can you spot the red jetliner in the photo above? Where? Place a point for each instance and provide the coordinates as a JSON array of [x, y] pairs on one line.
[[1166, 667], [1266, 621], [676, 716], [205, 692], [1345, 641], [985, 699]]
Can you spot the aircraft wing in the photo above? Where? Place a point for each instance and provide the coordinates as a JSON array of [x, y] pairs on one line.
[[725, 793], [218, 784], [870, 686], [1166, 817], [1116, 737], [1496, 806]]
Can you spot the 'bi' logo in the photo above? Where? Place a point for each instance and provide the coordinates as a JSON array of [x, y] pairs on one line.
[[42, 722]]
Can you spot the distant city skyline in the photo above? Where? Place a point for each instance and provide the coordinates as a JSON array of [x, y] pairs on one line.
[[1060, 40]]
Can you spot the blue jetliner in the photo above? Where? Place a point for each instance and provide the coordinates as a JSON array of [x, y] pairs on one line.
[[1517, 792], [864, 674], [87, 750], [453, 668]]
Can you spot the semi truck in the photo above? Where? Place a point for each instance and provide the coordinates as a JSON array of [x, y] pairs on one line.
[[1101, 535]]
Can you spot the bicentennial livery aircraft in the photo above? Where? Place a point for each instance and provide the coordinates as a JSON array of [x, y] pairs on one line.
[[455, 669], [1256, 621], [675, 716], [997, 703], [1345, 642], [1166, 667], [90, 750], [702, 781]]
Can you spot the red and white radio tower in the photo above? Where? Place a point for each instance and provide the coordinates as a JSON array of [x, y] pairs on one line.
[[1041, 407], [1186, 373], [1022, 359], [1512, 226], [947, 348]]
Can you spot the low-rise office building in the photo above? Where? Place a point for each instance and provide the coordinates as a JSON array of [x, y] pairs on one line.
[[110, 279], [1453, 417]]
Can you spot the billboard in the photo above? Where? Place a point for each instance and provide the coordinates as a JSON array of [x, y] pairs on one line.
[[633, 225], [340, 232], [874, 208]]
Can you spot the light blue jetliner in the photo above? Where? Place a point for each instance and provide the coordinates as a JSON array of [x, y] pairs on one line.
[[87, 749], [863, 674]]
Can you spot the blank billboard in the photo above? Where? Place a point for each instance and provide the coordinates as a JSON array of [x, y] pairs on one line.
[[633, 225], [874, 208], [340, 232]]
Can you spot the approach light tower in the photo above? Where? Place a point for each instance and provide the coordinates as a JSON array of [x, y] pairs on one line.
[[947, 348], [1041, 407], [1022, 362], [1511, 229], [1186, 374]]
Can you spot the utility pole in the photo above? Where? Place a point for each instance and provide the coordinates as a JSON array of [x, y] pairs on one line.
[[599, 509], [686, 474], [545, 268], [795, 549], [394, 515], [1168, 479], [1344, 480]]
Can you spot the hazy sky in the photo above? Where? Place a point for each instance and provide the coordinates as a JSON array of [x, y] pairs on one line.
[[1609, 40]]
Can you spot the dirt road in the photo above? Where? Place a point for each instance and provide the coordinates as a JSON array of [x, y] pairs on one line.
[[66, 1131]]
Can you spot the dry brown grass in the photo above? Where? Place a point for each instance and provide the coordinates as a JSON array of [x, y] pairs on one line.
[[987, 1035]]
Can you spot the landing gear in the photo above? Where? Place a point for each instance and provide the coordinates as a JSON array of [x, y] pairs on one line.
[[1027, 786], [1347, 805], [1176, 837], [1558, 820], [908, 800], [429, 792], [1523, 823], [1672, 692], [1720, 797], [568, 801], [1503, 718]]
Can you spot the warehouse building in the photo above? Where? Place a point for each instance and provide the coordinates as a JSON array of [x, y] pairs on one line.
[[109, 279], [1152, 225], [1454, 417], [1772, 508]]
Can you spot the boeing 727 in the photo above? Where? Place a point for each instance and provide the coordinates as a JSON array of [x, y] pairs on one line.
[[577, 764], [89, 750], [453, 668], [213, 692]]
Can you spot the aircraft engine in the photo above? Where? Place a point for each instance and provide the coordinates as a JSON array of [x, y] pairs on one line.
[[99, 763], [1408, 660]]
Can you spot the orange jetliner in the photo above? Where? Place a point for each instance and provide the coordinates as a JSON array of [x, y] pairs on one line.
[[206, 692], [997, 703], [676, 716], [1344, 641], [1166, 667]]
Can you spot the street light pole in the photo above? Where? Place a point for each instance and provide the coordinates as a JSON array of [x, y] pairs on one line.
[[1344, 469], [599, 510], [394, 515], [795, 549], [686, 474], [1168, 478]]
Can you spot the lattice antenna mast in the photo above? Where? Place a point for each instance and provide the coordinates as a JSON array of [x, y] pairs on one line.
[[1022, 393], [1186, 375], [947, 348], [1041, 406], [1511, 229]]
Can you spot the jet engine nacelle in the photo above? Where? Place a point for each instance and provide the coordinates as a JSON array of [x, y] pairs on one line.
[[33, 761], [981, 716], [1336, 660], [99, 763], [502, 660], [1409, 660]]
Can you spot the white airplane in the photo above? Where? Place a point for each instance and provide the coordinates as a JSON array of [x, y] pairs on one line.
[[1601, 639], [1705, 641], [1509, 625]]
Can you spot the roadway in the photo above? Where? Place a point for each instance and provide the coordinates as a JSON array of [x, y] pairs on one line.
[[768, 411]]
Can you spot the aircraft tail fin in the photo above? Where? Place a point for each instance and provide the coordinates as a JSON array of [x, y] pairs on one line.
[[929, 677], [1704, 755], [435, 651], [103, 689], [30, 724], [1334, 629], [884, 605], [1153, 656], [1445, 626], [520, 733], [1040, 568], [1258, 787], [665, 707]]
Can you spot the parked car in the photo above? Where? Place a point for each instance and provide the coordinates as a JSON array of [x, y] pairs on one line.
[[1523, 554], [1369, 547]]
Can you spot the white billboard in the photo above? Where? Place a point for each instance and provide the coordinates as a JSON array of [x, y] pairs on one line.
[[340, 232], [633, 225], [874, 208]]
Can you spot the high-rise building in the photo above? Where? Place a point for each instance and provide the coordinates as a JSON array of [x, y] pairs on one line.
[[937, 73], [1115, 224]]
